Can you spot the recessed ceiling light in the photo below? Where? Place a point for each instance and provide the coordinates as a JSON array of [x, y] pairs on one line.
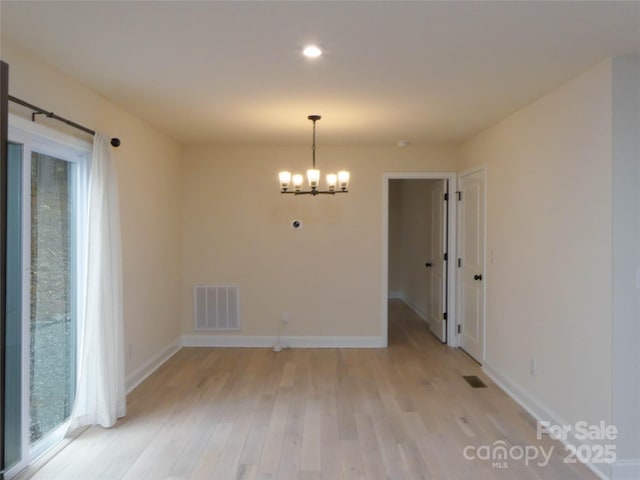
[[312, 51]]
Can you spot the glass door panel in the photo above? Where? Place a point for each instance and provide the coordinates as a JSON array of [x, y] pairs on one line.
[[53, 299]]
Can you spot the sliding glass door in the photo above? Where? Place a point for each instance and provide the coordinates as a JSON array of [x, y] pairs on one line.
[[47, 198]]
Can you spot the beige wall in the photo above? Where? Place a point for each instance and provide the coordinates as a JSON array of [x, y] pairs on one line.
[[549, 293], [148, 167], [327, 276]]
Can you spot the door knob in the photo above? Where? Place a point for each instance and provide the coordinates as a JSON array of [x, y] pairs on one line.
[[428, 264], [477, 277]]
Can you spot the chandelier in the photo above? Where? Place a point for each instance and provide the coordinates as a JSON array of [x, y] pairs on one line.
[[335, 183]]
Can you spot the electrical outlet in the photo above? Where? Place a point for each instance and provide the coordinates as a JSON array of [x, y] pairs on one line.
[[492, 257], [285, 318], [129, 350], [533, 367]]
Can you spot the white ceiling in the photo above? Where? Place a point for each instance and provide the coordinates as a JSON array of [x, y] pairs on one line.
[[232, 72]]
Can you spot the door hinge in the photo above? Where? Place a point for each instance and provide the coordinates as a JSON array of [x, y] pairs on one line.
[[459, 328], [459, 193], [446, 257], [444, 315], [459, 262], [446, 197]]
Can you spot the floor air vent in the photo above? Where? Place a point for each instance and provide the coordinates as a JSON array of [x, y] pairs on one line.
[[216, 307], [474, 381]]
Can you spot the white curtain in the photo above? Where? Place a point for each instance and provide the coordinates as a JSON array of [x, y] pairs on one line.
[[100, 394]]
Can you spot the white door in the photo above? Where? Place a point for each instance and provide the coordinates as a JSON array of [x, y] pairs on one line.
[[471, 275], [436, 265]]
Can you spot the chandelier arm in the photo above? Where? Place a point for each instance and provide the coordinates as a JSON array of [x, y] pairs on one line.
[[313, 192]]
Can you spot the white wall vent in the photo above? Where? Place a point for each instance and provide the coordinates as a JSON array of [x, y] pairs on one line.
[[216, 307]]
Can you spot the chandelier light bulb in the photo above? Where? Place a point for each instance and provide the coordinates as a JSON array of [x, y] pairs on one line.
[[297, 182], [313, 176], [343, 179], [332, 181], [285, 179]]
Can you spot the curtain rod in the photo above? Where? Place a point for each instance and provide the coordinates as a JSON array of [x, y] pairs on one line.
[[40, 111]]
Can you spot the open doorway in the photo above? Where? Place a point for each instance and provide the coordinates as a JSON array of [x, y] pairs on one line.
[[417, 249], [419, 241]]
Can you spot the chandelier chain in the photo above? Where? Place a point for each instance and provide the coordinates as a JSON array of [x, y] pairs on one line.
[[313, 145]]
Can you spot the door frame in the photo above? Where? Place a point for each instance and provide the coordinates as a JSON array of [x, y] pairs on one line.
[[452, 177]]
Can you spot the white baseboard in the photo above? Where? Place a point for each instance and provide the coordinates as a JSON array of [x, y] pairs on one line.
[[541, 412], [241, 341], [536, 409], [141, 373]]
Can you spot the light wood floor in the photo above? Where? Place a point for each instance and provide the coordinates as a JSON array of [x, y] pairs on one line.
[[404, 412]]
